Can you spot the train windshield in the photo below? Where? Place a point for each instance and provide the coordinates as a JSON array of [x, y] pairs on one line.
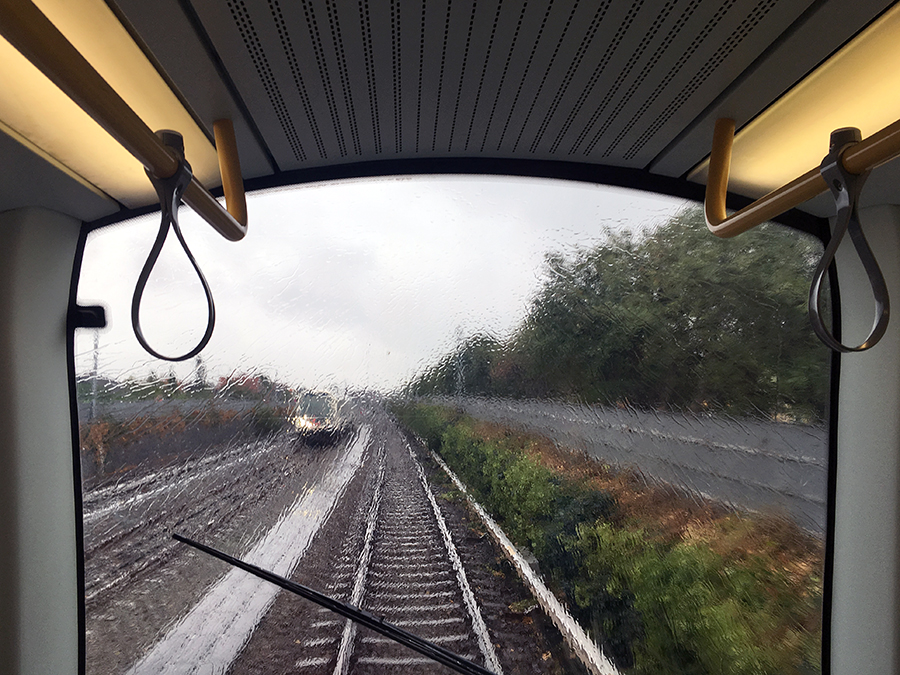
[[542, 426]]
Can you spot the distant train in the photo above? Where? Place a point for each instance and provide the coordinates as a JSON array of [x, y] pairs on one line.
[[317, 420]]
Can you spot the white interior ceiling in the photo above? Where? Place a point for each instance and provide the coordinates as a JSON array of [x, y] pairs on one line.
[[318, 84]]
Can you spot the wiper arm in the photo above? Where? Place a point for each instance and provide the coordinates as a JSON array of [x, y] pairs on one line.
[[376, 623]]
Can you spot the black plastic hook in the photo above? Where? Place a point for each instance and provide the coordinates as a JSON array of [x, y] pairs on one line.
[[170, 191], [846, 189]]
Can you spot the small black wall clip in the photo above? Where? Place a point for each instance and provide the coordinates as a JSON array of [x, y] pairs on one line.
[[87, 316]]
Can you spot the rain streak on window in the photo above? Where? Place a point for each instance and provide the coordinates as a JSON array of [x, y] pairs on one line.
[[479, 408]]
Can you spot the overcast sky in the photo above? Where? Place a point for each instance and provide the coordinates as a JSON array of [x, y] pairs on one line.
[[357, 284]]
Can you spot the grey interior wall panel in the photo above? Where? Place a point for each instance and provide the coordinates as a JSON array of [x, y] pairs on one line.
[[39, 627]]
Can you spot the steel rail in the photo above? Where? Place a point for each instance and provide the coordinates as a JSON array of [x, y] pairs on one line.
[[367, 619], [877, 149], [27, 29]]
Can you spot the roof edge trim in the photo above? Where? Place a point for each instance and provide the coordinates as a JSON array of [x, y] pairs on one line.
[[598, 174]]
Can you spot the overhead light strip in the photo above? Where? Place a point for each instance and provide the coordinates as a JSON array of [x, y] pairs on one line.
[[35, 107], [36, 38], [55, 163], [857, 158], [859, 86]]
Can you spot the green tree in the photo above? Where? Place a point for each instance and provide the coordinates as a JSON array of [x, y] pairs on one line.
[[671, 318], [466, 371]]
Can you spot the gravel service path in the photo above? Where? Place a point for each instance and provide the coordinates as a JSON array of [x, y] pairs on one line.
[[750, 464]]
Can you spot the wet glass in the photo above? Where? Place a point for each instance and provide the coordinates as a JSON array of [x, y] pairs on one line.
[[636, 407]]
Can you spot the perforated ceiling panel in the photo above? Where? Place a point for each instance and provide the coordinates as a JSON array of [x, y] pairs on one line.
[[610, 82], [328, 87]]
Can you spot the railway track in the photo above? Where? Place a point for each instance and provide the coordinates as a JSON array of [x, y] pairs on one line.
[[138, 579], [122, 521], [397, 560], [376, 535]]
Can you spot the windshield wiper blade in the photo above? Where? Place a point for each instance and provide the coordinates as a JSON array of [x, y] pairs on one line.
[[376, 623]]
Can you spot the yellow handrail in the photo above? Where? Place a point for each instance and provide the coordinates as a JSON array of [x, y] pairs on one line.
[[34, 35], [869, 153], [230, 169]]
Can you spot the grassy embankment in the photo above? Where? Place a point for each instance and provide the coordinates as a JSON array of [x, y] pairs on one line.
[[667, 584]]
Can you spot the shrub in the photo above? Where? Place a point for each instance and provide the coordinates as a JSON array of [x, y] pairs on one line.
[[267, 420], [701, 613]]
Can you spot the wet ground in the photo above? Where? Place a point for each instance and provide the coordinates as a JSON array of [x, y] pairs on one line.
[[369, 521]]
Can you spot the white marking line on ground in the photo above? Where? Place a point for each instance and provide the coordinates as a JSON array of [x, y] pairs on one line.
[[481, 631], [588, 651], [209, 637], [359, 583]]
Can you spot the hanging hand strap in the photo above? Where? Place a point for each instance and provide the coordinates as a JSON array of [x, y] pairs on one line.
[[846, 188], [170, 191]]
